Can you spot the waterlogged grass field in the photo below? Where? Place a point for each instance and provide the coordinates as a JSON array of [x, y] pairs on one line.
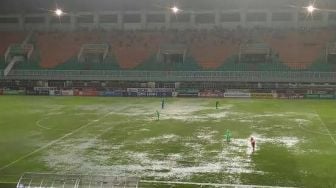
[[116, 136]]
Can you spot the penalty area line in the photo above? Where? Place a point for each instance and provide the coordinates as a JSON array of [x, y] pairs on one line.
[[51, 143]]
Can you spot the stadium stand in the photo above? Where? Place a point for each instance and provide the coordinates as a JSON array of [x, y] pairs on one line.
[[300, 49], [7, 38], [205, 50], [211, 53], [58, 48], [132, 49]]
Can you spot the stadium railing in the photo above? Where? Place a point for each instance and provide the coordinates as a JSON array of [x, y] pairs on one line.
[[122, 75]]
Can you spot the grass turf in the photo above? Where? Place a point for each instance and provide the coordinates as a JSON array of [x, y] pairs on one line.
[[295, 139]]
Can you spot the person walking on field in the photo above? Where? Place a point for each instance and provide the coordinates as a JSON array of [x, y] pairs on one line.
[[158, 115], [253, 143], [228, 136], [162, 103]]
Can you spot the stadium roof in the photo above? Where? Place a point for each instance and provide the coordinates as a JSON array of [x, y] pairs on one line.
[[39, 6]]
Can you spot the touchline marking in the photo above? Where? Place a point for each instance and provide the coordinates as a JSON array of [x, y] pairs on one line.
[[210, 184], [325, 126], [51, 143]]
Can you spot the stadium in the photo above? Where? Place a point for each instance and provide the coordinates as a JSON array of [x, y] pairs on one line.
[[167, 93]]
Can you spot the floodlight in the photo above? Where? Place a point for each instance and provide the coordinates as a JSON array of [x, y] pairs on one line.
[[59, 12], [175, 9], [310, 8]]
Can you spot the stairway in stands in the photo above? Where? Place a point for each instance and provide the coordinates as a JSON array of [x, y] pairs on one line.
[[16, 59]]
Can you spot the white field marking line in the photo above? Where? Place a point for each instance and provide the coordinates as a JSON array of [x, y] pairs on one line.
[[210, 184], [46, 117], [51, 143], [38, 123], [102, 133], [325, 126], [310, 131], [5, 182]]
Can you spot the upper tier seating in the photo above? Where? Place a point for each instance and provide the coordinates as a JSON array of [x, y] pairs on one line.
[[131, 49], [211, 51], [7, 38], [57, 48], [207, 50], [300, 49]]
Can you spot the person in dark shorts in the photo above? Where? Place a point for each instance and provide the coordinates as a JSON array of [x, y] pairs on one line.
[[253, 143], [162, 103]]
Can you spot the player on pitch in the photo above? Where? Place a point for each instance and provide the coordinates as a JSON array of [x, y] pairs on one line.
[[158, 115], [162, 103], [227, 135], [253, 143]]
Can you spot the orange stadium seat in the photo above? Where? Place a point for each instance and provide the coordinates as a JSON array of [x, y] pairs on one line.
[[299, 50], [7, 38], [57, 48], [130, 51], [212, 52]]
